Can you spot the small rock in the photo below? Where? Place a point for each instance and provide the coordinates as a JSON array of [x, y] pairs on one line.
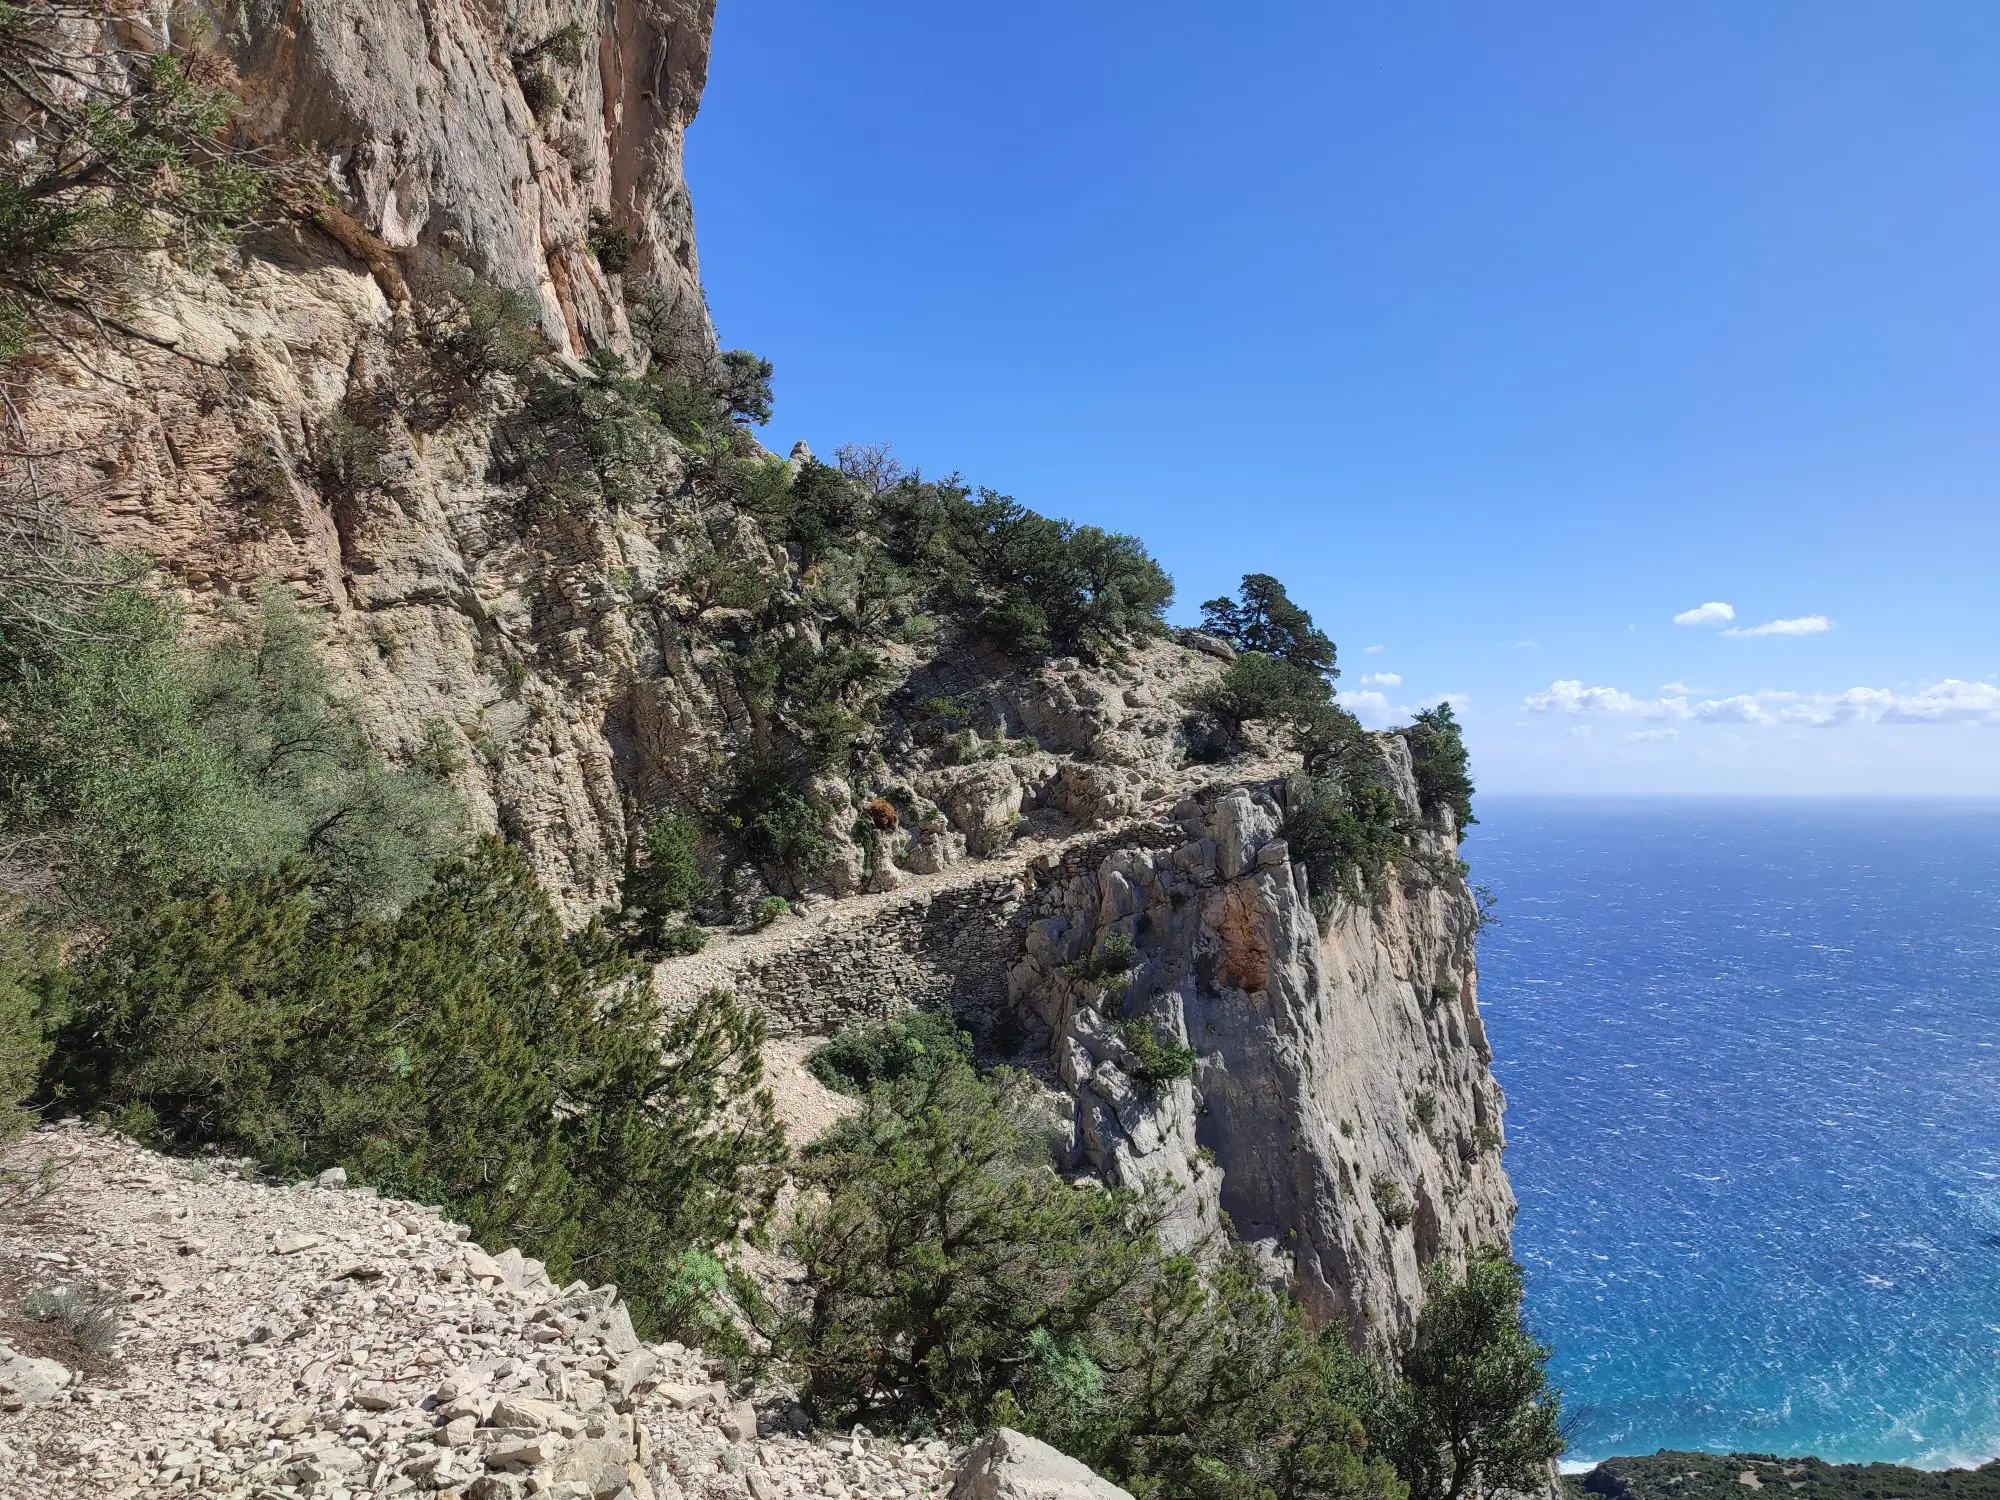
[[525, 1453], [634, 1370], [534, 1415], [375, 1398], [332, 1177], [292, 1244], [739, 1424], [458, 1432]]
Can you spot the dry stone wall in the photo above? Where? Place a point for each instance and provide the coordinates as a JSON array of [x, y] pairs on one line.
[[944, 944]]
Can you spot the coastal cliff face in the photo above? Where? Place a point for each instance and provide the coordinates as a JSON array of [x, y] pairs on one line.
[[1339, 1109]]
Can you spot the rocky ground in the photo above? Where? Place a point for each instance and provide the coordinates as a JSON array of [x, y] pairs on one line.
[[321, 1342]]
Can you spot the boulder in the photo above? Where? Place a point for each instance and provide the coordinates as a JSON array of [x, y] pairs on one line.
[[25, 1380], [1010, 1465]]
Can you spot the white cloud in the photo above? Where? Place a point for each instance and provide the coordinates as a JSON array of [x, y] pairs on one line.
[[1365, 705], [1372, 650], [1715, 612], [1386, 679], [1682, 687], [1654, 734], [1527, 645], [1949, 702], [1803, 625]]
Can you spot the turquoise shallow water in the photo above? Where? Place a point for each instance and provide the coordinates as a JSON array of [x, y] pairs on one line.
[[1752, 1059]]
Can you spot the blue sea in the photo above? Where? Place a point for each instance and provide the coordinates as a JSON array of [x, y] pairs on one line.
[[1752, 1059]]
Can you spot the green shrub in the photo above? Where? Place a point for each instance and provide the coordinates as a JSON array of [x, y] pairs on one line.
[[1332, 743], [898, 1050], [145, 767], [1114, 958], [540, 92], [563, 47], [24, 1043], [1424, 1108], [1391, 1201], [696, 1301], [937, 1243], [1159, 1062], [475, 329], [1487, 1140], [951, 1277], [680, 940], [465, 1054], [1473, 1415], [742, 385], [772, 820], [91, 1321], [1344, 837], [86, 188], [1260, 687], [827, 697], [1035, 579], [767, 911], [663, 876], [577, 444], [1444, 777], [1018, 623]]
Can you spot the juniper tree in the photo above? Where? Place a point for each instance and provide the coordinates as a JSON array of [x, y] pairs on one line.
[[1263, 618], [466, 1053]]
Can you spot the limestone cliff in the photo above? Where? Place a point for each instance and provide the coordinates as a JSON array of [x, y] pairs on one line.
[[208, 449], [1339, 1111]]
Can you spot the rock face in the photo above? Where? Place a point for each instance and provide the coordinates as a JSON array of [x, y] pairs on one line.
[[496, 133], [503, 138], [1339, 1110]]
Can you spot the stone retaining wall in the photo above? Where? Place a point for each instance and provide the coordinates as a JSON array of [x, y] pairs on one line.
[[946, 948]]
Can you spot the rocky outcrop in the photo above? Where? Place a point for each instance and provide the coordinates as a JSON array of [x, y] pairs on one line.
[[1339, 1108], [503, 139]]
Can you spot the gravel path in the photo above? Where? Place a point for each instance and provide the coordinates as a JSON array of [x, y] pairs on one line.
[[326, 1344]]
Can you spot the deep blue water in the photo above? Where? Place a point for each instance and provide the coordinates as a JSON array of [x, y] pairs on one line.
[[1752, 1060]]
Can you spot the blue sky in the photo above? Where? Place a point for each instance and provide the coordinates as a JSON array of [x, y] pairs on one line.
[[1502, 334]]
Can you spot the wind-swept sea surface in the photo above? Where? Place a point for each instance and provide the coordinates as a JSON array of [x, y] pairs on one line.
[[1752, 1060]]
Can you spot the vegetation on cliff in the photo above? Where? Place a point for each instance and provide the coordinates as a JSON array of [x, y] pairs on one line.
[[464, 1053], [949, 1275], [112, 153], [228, 927], [137, 766], [1343, 823]]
